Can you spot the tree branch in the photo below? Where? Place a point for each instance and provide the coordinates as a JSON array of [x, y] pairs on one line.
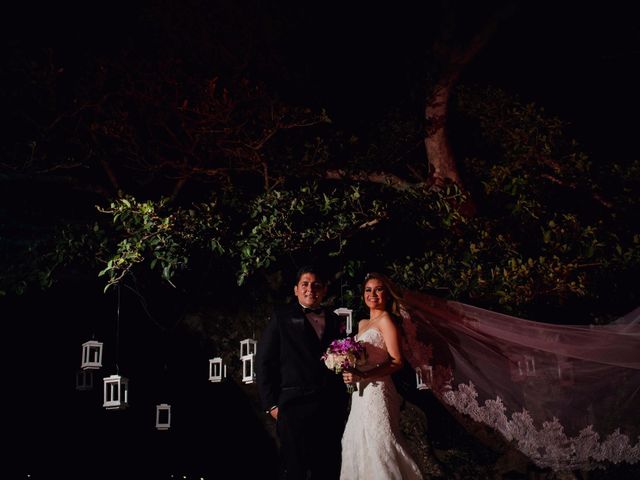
[[597, 197], [383, 178], [75, 183]]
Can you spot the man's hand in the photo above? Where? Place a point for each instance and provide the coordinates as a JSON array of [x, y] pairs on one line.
[[352, 375]]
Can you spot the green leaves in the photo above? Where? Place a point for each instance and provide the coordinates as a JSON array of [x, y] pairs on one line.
[[549, 226], [290, 221], [163, 235]]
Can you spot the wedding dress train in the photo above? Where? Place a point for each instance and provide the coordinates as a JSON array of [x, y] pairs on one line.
[[567, 396], [373, 447]]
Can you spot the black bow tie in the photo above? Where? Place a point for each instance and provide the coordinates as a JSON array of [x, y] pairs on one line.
[[317, 311]]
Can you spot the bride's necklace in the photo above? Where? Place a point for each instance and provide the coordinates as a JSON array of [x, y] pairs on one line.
[[371, 320]]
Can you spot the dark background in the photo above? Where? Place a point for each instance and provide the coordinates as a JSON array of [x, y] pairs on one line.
[[357, 60], [52, 429]]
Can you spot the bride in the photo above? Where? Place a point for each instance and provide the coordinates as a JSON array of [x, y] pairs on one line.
[[564, 395], [373, 447]]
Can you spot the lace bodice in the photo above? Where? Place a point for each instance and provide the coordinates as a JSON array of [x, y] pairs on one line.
[[373, 446], [375, 347]]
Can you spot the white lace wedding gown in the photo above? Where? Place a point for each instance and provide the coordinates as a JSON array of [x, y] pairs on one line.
[[372, 445]]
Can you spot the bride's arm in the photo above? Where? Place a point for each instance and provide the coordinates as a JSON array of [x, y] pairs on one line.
[[361, 325], [392, 341]]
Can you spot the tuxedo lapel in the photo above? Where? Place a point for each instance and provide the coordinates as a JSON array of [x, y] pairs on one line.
[[330, 329], [304, 328], [312, 336], [298, 322]]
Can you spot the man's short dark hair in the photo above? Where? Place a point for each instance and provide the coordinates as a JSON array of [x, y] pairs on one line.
[[320, 275]]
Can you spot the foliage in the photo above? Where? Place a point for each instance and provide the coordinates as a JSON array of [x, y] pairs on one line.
[[166, 236], [41, 257], [551, 227], [285, 222], [541, 234], [197, 166]]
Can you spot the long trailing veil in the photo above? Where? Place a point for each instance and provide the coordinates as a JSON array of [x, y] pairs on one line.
[[567, 396]]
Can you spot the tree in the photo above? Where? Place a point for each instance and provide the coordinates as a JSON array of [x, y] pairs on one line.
[[187, 162], [452, 51]]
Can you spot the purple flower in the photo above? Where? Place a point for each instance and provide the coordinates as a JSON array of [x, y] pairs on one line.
[[344, 353]]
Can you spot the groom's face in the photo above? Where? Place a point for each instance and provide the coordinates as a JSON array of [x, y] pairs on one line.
[[310, 290]]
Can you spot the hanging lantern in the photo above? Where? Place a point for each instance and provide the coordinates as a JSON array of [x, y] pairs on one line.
[[248, 371], [248, 347], [84, 380], [565, 371], [91, 355], [347, 313], [163, 416], [517, 369], [217, 370], [424, 380], [521, 366], [116, 392], [530, 365]]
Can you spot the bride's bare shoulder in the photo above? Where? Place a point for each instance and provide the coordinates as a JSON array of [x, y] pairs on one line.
[[386, 321], [362, 324]]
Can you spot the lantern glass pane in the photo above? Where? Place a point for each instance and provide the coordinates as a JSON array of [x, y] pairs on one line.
[[163, 415], [94, 354]]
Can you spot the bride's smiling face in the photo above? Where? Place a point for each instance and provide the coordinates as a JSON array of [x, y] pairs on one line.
[[375, 294]]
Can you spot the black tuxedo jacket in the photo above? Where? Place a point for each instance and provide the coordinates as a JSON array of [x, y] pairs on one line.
[[288, 363]]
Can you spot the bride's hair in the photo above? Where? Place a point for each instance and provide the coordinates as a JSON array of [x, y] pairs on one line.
[[394, 292]]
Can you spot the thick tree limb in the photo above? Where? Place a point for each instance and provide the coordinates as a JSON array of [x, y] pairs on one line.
[[111, 176], [383, 178], [74, 183], [440, 156], [597, 197]]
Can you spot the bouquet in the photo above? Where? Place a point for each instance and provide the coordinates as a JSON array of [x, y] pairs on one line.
[[345, 353]]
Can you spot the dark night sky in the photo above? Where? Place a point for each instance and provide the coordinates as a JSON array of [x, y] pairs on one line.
[[574, 59]]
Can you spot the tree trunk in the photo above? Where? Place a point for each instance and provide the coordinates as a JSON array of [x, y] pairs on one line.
[[442, 164], [454, 57]]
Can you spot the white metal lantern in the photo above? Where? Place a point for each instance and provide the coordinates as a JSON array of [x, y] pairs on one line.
[[565, 372], [347, 313], [217, 370], [91, 355], [248, 346], [516, 367], [163, 416], [248, 371], [530, 365], [116, 392], [424, 380], [84, 380]]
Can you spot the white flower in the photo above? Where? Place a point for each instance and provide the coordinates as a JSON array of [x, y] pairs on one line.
[[351, 359], [330, 362]]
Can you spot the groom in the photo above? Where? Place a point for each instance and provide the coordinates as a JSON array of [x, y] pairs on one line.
[[307, 400]]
